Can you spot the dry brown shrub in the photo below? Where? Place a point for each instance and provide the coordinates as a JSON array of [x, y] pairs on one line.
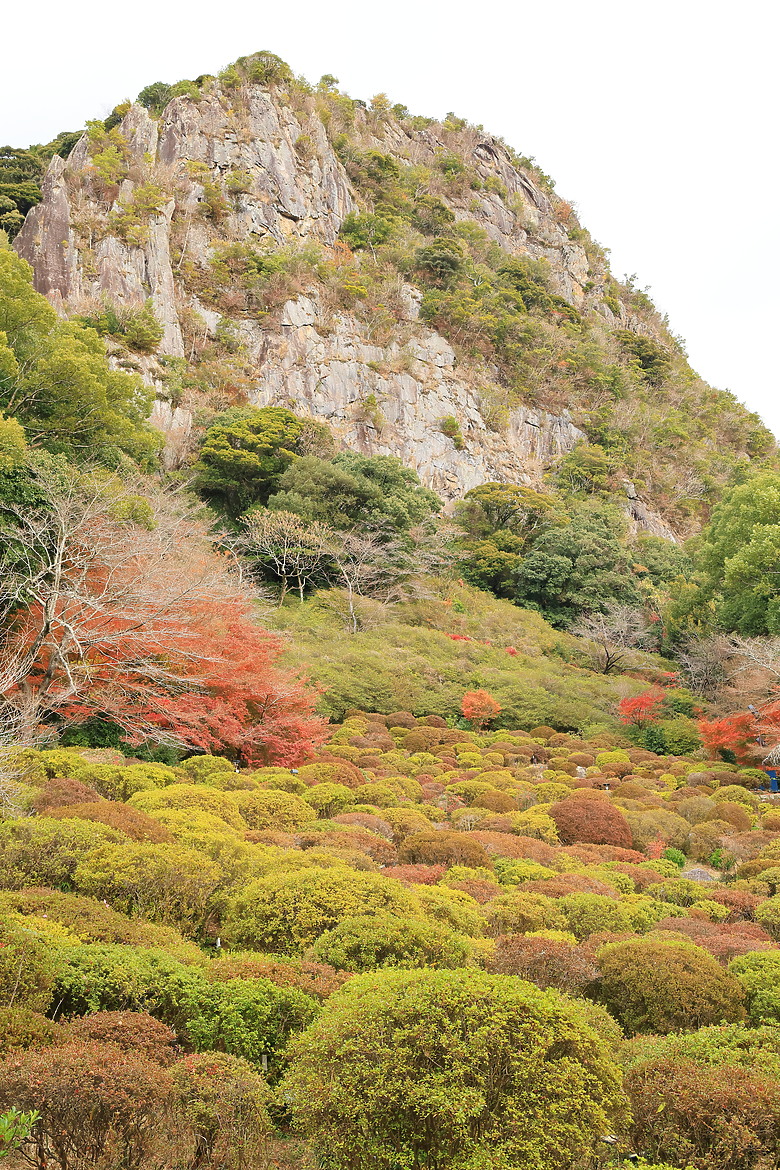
[[736, 815], [415, 875], [504, 844], [137, 825], [495, 801], [589, 820], [368, 821], [545, 962], [480, 889], [443, 847], [746, 846], [131, 1031], [401, 719], [270, 837], [355, 839], [597, 854], [60, 791], [582, 759], [317, 979]]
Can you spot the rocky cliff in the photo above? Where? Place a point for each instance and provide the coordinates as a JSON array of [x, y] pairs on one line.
[[167, 210]]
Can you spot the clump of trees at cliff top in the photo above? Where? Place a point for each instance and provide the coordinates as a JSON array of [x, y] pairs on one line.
[[205, 967]]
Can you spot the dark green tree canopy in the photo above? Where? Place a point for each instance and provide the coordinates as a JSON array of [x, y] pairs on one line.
[[244, 453], [737, 558], [583, 566], [55, 379], [354, 491]]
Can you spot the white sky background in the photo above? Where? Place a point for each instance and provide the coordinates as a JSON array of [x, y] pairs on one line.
[[657, 119]]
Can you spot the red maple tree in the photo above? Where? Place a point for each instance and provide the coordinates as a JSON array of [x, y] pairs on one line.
[[143, 624], [640, 710], [479, 707]]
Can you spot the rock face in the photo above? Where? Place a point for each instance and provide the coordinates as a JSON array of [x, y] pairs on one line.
[[393, 400], [271, 173]]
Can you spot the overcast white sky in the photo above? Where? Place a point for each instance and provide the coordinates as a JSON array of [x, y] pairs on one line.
[[656, 118]]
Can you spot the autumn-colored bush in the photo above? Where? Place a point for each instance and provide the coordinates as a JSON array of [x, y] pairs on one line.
[[135, 1032], [657, 824], [442, 848], [225, 1105], [740, 903], [480, 889], [591, 854], [377, 848], [96, 1104], [597, 822], [368, 821], [495, 801], [425, 875], [317, 979], [62, 790], [652, 986], [130, 821], [480, 708], [547, 962], [735, 814], [724, 941], [722, 1118]]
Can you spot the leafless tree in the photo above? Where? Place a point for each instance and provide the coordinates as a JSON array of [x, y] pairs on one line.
[[292, 548], [707, 664], [96, 585], [614, 634]]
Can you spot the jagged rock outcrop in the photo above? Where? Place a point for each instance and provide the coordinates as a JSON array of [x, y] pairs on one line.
[[286, 182]]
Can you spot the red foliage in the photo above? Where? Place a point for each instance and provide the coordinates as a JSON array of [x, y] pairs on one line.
[[568, 883], [240, 702], [186, 664], [479, 707], [741, 904], [594, 821], [640, 710], [479, 889], [642, 878], [97, 1104], [724, 1118], [724, 941], [735, 733], [598, 854]]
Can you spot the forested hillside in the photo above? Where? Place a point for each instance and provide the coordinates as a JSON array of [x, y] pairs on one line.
[[389, 645]]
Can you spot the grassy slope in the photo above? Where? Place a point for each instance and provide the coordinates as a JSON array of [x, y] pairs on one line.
[[405, 658]]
